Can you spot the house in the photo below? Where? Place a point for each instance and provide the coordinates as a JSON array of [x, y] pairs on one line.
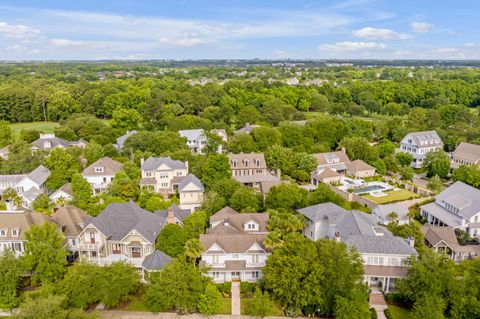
[[121, 140], [122, 232], [48, 142], [63, 194], [419, 144], [250, 169], [331, 167], [4, 152], [190, 190], [442, 239], [234, 246], [457, 206], [101, 173], [220, 132], [383, 213], [360, 169], [466, 154], [384, 255], [248, 128], [71, 221], [162, 174], [174, 214], [28, 186], [196, 140], [13, 226]]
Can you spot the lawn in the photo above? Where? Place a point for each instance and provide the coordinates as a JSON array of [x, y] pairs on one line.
[[392, 196], [226, 308], [399, 313], [45, 127]]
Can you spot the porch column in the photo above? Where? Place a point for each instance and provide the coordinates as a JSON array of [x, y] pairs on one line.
[[388, 284]]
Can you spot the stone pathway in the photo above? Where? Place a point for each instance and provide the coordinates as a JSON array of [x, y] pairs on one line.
[[377, 301], [235, 293]]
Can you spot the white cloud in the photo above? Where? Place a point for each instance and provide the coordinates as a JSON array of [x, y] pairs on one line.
[[421, 27], [67, 43], [188, 41], [18, 31], [380, 34], [281, 54], [341, 47]]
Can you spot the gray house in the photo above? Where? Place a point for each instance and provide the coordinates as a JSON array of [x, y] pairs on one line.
[[419, 144], [384, 255]]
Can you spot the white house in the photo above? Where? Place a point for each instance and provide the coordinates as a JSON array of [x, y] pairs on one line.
[[64, 193], [234, 246], [196, 140], [419, 144], [466, 154], [384, 255], [28, 186], [191, 191], [457, 206], [101, 173], [162, 174]]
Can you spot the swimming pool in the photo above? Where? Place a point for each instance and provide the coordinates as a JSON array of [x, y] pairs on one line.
[[369, 189]]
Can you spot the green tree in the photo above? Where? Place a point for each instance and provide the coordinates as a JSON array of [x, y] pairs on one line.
[[124, 187], [171, 240], [215, 168], [429, 307], [62, 166], [404, 159], [81, 286], [467, 174], [45, 254], [193, 249], [43, 204], [354, 307], [260, 305], [406, 173], [119, 281], [10, 271], [242, 143], [126, 119], [81, 189], [323, 194], [195, 224], [210, 301], [265, 137], [6, 134], [245, 199], [61, 105], [437, 163], [288, 196], [93, 152], [435, 184], [179, 285], [50, 307]]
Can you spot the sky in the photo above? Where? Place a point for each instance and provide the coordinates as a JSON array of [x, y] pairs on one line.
[[235, 29]]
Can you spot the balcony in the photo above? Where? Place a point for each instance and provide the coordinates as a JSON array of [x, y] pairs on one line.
[[90, 246], [110, 259]]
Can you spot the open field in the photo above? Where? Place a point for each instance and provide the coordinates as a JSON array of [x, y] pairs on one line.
[[45, 127], [393, 196]]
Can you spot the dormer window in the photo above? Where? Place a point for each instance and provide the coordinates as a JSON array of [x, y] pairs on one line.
[[47, 144], [245, 162], [234, 163], [409, 141], [99, 169], [3, 232], [251, 226], [257, 162], [14, 232]]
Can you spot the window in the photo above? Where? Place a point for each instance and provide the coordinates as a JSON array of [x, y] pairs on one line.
[[393, 261], [215, 259], [255, 259], [164, 185], [93, 254], [17, 247], [375, 260], [255, 274], [148, 174], [104, 179], [234, 163], [216, 274], [136, 252], [259, 171], [235, 256], [3, 232], [99, 169], [15, 232], [116, 249], [164, 175]]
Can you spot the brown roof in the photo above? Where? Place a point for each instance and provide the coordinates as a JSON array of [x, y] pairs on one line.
[[322, 157], [467, 151], [70, 219], [256, 178], [434, 235], [110, 167], [359, 166], [67, 188], [148, 181], [326, 173], [236, 220], [265, 186], [231, 243], [22, 221], [385, 271], [247, 161]]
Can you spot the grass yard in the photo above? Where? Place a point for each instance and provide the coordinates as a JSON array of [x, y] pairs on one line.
[[392, 196], [226, 308], [45, 127], [245, 303], [399, 313], [136, 304]]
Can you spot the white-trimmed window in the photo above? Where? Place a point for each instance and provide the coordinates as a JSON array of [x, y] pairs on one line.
[[215, 259], [148, 174], [255, 258], [15, 232], [99, 169], [3, 232]]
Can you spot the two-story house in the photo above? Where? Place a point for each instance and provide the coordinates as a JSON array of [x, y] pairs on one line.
[[190, 190], [196, 140], [71, 221], [122, 232], [457, 206], [419, 144], [48, 142], [162, 174], [331, 167], [251, 169], [234, 246], [101, 173], [384, 255], [466, 154], [28, 186], [13, 226]]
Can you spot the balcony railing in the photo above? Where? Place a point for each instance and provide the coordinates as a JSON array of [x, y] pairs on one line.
[[90, 246]]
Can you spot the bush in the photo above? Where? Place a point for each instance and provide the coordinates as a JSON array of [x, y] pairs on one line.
[[388, 313], [373, 313], [247, 287], [225, 288]]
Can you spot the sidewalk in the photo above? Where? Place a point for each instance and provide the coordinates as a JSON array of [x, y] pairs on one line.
[[377, 301], [236, 308]]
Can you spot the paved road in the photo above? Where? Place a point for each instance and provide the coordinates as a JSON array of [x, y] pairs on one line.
[[236, 298]]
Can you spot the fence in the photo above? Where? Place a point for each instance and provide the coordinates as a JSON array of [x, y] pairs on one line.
[[352, 197], [411, 187]]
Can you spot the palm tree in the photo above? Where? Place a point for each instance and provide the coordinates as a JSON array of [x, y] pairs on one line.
[[193, 249]]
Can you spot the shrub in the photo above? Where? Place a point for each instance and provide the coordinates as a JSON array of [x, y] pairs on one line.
[[225, 288], [388, 313], [247, 287], [373, 313]]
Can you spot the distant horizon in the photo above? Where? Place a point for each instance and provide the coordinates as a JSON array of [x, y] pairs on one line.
[[197, 30]]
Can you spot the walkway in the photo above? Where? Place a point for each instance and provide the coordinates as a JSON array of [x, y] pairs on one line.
[[377, 301], [235, 293], [115, 314]]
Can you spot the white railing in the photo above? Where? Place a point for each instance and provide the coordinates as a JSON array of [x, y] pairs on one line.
[[90, 246]]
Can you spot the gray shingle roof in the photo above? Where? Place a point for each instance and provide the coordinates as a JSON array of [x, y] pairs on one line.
[[192, 135], [429, 138], [462, 196], [39, 175], [400, 209], [153, 163], [121, 140], [156, 260], [190, 178], [179, 213], [119, 219], [321, 211]]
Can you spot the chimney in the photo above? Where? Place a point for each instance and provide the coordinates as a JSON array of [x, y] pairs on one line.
[[344, 149], [337, 237], [225, 222], [170, 216], [411, 241], [142, 160], [186, 165]]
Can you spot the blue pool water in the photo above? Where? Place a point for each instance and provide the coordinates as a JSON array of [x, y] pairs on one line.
[[368, 189]]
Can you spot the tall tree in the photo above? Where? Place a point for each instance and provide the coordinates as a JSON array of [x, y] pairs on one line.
[[10, 270]]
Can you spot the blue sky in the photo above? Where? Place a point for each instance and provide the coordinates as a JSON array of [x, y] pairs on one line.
[[209, 29]]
